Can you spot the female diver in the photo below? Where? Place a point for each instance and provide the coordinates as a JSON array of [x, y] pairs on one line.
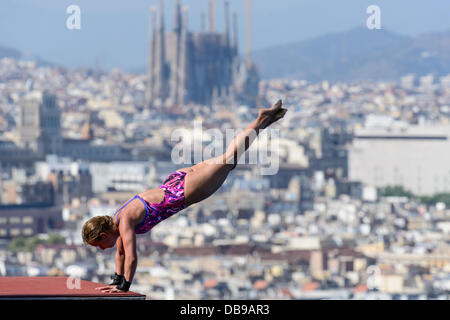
[[180, 189]]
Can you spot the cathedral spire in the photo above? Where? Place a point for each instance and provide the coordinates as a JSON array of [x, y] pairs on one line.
[[212, 16], [235, 31], [227, 23], [248, 40], [178, 18], [161, 15], [161, 83], [175, 73], [151, 58], [181, 90]]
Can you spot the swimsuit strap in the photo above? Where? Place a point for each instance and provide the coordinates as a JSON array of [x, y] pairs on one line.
[[118, 211], [145, 206], [146, 211]]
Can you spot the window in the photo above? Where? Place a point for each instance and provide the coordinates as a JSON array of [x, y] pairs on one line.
[[3, 232], [14, 232], [14, 220], [27, 231], [3, 220], [27, 220]]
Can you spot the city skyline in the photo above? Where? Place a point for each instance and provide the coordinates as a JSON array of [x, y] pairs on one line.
[[346, 197], [311, 231]]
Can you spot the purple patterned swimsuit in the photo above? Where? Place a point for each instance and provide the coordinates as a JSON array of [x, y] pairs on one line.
[[172, 203]]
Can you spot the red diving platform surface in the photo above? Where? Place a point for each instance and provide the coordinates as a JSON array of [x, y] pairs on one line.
[[61, 288]]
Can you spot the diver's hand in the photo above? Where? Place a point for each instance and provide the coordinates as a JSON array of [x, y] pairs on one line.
[[105, 288], [109, 289]]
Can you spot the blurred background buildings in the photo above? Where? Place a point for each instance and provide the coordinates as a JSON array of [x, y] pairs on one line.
[[358, 209]]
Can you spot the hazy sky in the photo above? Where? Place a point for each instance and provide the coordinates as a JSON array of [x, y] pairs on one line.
[[116, 32]]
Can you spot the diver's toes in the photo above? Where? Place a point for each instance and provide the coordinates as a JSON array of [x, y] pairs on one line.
[[277, 105]]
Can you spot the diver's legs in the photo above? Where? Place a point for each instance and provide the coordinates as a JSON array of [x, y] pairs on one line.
[[203, 179]]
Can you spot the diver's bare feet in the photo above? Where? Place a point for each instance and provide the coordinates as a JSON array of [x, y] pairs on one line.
[[268, 116]]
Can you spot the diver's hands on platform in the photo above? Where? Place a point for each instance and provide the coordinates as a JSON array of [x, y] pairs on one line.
[[109, 289], [112, 287], [120, 284]]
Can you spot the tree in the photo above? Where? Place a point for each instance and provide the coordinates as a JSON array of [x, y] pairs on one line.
[[439, 197], [17, 244], [396, 191], [56, 239]]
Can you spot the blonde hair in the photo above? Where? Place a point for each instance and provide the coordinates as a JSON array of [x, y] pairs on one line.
[[96, 225]]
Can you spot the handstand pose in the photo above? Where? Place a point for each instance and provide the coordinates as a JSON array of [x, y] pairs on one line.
[[180, 189]]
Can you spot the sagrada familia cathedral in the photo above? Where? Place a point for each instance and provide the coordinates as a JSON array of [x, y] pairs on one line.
[[199, 67]]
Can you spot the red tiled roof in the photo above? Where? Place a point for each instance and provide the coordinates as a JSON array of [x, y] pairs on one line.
[[311, 286], [260, 284], [210, 283], [360, 288], [286, 292]]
